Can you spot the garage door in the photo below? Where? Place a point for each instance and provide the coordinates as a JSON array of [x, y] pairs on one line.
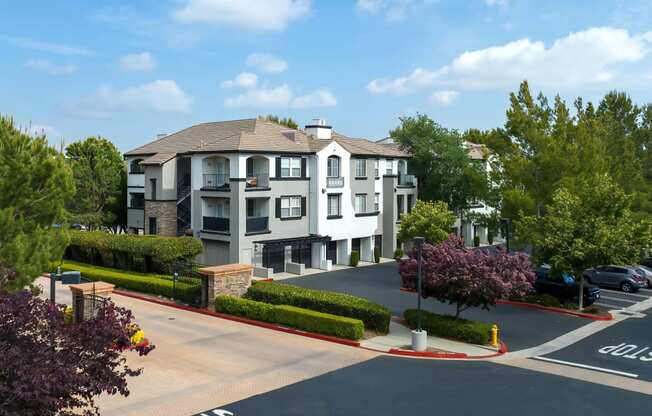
[[274, 257], [331, 251], [215, 252]]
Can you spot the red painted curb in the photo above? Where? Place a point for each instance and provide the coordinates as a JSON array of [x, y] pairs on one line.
[[407, 289], [607, 317], [269, 279], [266, 325], [410, 353]]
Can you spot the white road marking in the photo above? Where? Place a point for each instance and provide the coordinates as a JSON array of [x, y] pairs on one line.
[[627, 294], [619, 299], [609, 305], [588, 367]]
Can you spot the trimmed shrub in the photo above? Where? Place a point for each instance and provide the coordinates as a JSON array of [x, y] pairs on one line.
[[322, 323], [375, 316], [543, 299], [476, 241], [246, 308], [398, 253], [376, 255], [355, 258], [130, 251], [446, 326], [186, 289], [490, 238]]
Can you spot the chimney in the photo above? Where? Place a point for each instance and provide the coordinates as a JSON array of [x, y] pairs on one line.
[[318, 129]]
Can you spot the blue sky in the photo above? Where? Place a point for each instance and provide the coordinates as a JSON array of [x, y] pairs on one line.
[[130, 70]]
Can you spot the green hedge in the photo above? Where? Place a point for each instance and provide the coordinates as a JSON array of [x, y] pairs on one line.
[[188, 290], [291, 316], [130, 251], [447, 326], [355, 258], [375, 316]]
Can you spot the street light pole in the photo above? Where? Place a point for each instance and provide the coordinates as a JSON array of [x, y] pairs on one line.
[[419, 336], [506, 223]]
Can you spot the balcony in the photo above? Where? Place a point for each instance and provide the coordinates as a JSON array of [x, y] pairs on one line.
[[216, 181], [335, 182], [257, 224], [257, 180], [406, 180], [137, 203], [215, 224]]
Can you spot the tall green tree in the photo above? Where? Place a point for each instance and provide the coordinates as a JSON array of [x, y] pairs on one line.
[[98, 171], [431, 220], [591, 224], [441, 163], [34, 184]]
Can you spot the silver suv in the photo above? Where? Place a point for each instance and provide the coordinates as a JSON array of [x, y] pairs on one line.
[[625, 278]]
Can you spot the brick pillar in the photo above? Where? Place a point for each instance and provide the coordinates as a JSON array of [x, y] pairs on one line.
[[228, 279]]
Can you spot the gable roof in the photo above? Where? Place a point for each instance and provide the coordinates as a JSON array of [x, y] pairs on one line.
[[253, 135]]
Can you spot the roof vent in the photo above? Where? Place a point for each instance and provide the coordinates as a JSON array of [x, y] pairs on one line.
[[290, 134], [318, 129]]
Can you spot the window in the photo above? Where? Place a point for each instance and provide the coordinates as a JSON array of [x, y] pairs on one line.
[[137, 201], [153, 190], [135, 167], [360, 168], [376, 168], [360, 203], [402, 167], [389, 169], [334, 205], [152, 225], [291, 167], [333, 170], [376, 202], [291, 207]]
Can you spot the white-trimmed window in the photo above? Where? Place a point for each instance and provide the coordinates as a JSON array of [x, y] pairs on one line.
[[333, 169], [389, 167], [290, 206], [376, 162], [360, 168], [290, 167], [376, 202], [360, 203], [334, 205]]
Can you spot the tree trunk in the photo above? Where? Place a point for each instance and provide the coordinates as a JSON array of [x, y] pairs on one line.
[[457, 313]]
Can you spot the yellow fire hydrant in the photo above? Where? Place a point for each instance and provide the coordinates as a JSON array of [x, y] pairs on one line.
[[494, 335]]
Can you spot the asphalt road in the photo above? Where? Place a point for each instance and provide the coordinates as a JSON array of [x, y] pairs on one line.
[[520, 327], [400, 386]]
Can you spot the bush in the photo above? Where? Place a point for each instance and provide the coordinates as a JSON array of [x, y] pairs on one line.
[[398, 253], [476, 241], [446, 326], [130, 251], [188, 290], [592, 310], [246, 308], [376, 255], [322, 323], [374, 316], [543, 299], [355, 258], [291, 316], [490, 238]]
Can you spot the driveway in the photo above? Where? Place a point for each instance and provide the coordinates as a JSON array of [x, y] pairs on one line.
[[520, 327], [202, 362]]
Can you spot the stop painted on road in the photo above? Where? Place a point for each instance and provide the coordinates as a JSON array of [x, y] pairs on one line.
[[628, 351]]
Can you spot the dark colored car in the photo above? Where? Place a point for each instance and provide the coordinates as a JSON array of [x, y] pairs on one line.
[[628, 279], [563, 287]]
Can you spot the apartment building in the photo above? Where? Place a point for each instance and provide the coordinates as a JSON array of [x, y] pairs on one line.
[[258, 192]]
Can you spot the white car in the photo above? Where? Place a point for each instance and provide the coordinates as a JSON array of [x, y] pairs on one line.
[[647, 273]]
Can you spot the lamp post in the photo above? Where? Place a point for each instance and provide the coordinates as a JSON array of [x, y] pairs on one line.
[[505, 223], [419, 336]]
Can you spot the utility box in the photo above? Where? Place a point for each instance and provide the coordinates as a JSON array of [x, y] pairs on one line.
[[71, 278]]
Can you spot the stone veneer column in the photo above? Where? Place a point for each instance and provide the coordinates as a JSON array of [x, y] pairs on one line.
[[227, 279], [166, 217]]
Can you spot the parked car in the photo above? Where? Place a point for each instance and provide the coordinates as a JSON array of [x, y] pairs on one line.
[[563, 287], [625, 278], [647, 273], [647, 262]]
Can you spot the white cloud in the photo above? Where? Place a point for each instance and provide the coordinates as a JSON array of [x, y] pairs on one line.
[[444, 97], [281, 97], [266, 62], [242, 80], [501, 3], [370, 6], [55, 48], [393, 10], [143, 61], [587, 57], [163, 96], [277, 97], [257, 15], [319, 98], [43, 65]]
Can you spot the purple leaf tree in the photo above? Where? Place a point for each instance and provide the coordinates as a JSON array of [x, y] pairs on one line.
[[48, 367], [466, 277]]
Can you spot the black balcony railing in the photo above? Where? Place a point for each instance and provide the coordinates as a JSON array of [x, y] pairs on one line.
[[215, 224], [258, 180], [216, 180], [334, 182], [257, 224]]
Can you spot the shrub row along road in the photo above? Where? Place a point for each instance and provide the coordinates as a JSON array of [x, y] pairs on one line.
[[520, 327]]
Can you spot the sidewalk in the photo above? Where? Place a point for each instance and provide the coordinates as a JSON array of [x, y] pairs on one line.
[[311, 271], [400, 338]]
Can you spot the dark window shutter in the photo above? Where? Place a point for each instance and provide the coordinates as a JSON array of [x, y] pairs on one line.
[[278, 167], [303, 206], [250, 167], [303, 167], [278, 205]]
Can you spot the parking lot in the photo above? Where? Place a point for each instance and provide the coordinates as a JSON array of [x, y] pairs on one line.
[[616, 300]]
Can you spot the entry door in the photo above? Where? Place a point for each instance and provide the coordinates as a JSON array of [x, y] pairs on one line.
[[378, 242], [355, 244], [331, 251], [302, 253], [274, 257]]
